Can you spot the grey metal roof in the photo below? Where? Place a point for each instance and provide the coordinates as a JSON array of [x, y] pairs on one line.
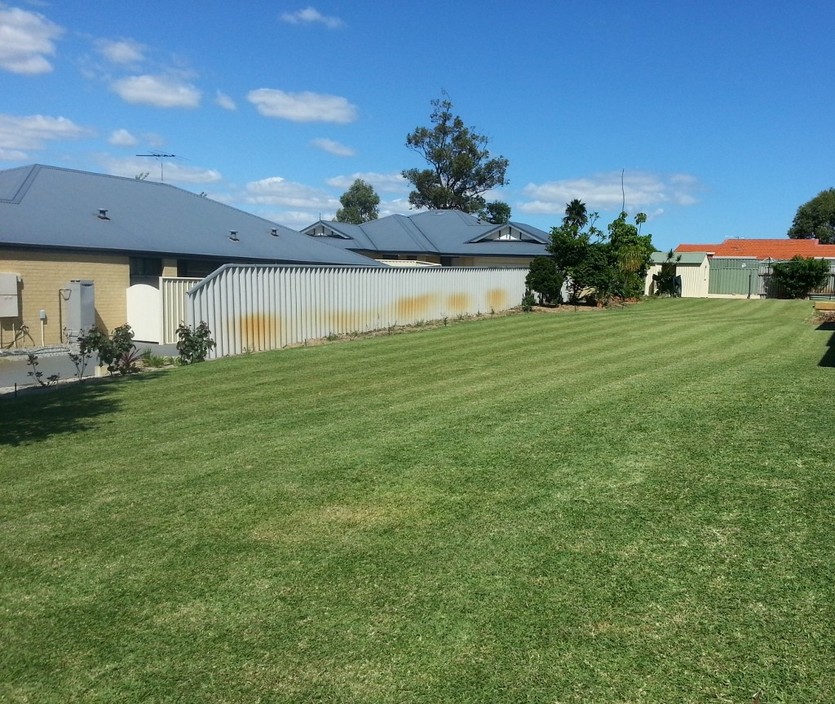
[[686, 257], [46, 206], [440, 232]]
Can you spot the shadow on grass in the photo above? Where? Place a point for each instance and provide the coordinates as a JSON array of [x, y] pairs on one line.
[[828, 359], [39, 413]]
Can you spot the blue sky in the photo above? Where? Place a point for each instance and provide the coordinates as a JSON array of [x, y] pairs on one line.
[[718, 114]]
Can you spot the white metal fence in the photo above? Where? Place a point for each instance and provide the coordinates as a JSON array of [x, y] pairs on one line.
[[262, 307]]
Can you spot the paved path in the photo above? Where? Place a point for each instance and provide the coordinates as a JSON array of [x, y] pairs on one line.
[[14, 369]]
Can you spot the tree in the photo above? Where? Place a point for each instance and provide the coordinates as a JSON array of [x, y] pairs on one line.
[[359, 203], [497, 212], [570, 246], [544, 279], [816, 218], [576, 215], [800, 276], [606, 267], [631, 254], [461, 168]]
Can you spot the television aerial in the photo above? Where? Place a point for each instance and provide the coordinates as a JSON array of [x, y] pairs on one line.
[[161, 157]]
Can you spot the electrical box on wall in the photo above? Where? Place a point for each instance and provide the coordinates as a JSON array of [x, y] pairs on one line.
[[81, 307], [9, 299]]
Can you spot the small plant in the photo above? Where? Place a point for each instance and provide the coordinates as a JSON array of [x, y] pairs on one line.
[[194, 344], [155, 361], [446, 320], [332, 336], [528, 301], [37, 375]]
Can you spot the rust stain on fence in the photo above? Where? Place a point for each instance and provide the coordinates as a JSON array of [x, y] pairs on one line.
[[257, 331], [497, 299], [414, 307], [459, 302]]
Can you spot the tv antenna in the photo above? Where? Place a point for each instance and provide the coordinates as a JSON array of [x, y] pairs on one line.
[[162, 157]]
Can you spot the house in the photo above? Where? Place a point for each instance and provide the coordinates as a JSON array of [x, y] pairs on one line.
[[763, 249], [73, 243], [440, 237], [740, 267]]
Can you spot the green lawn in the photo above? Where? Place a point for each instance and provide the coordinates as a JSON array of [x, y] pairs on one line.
[[635, 505]]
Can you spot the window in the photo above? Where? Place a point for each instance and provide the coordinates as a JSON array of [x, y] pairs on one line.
[[145, 266]]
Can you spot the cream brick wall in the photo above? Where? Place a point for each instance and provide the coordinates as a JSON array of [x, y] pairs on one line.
[[45, 273]]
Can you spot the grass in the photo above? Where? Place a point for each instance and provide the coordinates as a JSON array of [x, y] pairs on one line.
[[634, 505]]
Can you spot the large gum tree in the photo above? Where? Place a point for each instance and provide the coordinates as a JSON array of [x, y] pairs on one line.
[[460, 168]]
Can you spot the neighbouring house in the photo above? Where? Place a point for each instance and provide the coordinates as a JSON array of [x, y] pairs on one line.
[[440, 237], [74, 244], [739, 267]]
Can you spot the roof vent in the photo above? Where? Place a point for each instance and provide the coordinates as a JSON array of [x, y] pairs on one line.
[[274, 232], [233, 235], [103, 214]]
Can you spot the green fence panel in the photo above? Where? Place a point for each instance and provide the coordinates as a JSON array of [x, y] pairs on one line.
[[734, 276]]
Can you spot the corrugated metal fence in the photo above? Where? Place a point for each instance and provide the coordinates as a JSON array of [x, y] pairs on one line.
[[173, 292], [262, 307], [741, 276]]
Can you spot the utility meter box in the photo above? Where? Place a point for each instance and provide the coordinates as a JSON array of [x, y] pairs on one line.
[[9, 300], [81, 308]]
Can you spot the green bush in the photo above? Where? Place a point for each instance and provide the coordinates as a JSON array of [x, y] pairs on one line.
[[194, 344], [544, 279], [116, 352], [801, 275]]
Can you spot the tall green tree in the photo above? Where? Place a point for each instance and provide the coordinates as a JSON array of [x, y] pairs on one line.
[[816, 218], [630, 253], [359, 203], [497, 212], [571, 246], [576, 215], [460, 166]]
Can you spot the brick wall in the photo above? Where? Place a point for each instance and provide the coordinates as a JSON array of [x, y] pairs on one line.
[[44, 273]]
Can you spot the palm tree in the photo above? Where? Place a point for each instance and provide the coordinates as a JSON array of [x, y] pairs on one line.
[[576, 215]]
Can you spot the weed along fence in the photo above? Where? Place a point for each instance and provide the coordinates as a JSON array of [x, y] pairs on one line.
[[264, 307]]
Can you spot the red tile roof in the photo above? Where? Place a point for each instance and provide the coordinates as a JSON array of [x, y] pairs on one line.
[[784, 248]]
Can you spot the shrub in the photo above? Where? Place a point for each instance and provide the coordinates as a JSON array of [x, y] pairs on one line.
[[116, 352], [801, 275], [528, 301], [194, 344], [544, 279]]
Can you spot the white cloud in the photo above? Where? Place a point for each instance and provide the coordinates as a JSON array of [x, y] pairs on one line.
[[605, 192], [225, 101], [276, 190], [388, 183], [310, 15], [19, 133], [398, 206], [159, 91], [123, 51], [26, 39], [302, 107], [331, 147], [172, 171], [297, 219], [122, 138]]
